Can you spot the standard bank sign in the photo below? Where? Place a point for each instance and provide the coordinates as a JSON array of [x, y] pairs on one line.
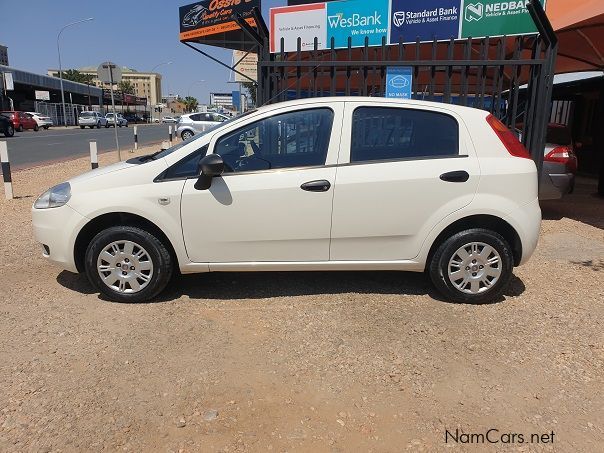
[[425, 20]]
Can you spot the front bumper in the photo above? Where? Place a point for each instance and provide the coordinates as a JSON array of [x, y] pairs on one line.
[[57, 229]]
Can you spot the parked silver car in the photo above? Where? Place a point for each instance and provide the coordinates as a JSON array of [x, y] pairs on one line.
[[92, 119], [195, 123], [121, 121]]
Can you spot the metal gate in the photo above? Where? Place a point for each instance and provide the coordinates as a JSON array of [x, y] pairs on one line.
[[511, 77], [55, 112]]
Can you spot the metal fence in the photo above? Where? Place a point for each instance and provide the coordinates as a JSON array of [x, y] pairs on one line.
[[511, 77], [55, 111]]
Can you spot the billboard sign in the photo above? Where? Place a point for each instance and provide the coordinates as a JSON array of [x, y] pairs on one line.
[[292, 22], [358, 19], [246, 64], [210, 17], [496, 17], [399, 20], [42, 95], [399, 82], [425, 20], [9, 84]]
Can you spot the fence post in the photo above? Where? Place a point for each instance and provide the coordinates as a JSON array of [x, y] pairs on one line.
[[170, 134], [94, 156], [6, 176], [135, 138]]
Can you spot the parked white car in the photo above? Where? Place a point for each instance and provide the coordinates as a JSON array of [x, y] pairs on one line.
[[121, 121], [316, 184], [41, 120], [168, 119], [92, 120], [197, 123]]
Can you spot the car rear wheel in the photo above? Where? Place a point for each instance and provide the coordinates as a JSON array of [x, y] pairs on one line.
[[10, 131], [82, 127], [128, 264], [20, 128], [473, 266], [98, 125], [36, 128], [186, 135]]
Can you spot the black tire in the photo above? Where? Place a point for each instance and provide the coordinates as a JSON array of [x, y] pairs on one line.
[[98, 125], [186, 135], [10, 131], [45, 127], [91, 127], [36, 128], [163, 266], [20, 128], [106, 125], [439, 267], [82, 127]]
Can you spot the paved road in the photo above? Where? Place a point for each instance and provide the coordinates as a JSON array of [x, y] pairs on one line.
[[31, 148]]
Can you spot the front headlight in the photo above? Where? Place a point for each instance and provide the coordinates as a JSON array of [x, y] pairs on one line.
[[54, 197]]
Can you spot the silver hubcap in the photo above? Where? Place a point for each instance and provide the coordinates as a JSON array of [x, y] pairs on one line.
[[474, 268], [186, 135], [125, 267]]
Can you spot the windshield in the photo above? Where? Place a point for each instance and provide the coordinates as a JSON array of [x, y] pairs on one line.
[[169, 151]]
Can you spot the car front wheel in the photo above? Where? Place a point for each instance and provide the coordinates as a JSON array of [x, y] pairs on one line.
[[128, 264], [473, 266], [10, 131], [186, 135]]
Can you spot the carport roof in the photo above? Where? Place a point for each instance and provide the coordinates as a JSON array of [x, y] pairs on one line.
[[51, 83]]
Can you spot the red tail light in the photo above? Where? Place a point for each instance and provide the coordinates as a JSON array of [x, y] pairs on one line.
[[507, 137], [563, 155]]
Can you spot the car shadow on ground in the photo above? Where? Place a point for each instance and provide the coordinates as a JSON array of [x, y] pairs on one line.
[[583, 205], [266, 285]]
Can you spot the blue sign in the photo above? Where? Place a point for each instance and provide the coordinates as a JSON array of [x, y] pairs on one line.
[[426, 20], [399, 82], [358, 19]]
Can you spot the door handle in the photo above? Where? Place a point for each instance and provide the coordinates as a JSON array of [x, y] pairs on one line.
[[316, 186], [455, 176]]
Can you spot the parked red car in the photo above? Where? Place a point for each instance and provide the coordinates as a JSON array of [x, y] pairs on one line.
[[21, 120]]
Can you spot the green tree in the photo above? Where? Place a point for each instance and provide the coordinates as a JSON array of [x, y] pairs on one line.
[[76, 76], [126, 87], [191, 103], [251, 89]]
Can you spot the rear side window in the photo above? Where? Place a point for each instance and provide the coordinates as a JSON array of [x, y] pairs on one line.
[[386, 133]]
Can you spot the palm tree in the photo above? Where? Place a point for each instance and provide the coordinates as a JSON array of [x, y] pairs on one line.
[[126, 87], [76, 76], [191, 103]]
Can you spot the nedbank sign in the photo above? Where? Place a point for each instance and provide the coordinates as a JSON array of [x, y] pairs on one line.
[[398, 20], [496, 17]]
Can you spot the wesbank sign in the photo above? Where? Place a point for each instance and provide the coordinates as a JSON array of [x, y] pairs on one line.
[[398, 20], [357, 19]]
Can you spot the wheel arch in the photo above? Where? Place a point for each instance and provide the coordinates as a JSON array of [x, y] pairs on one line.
[[489, 222], [104, 221]]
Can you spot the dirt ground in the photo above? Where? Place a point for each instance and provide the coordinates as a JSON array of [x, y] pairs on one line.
[[335, 362]]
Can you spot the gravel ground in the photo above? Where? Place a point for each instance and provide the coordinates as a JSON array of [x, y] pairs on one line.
[[340, 362]]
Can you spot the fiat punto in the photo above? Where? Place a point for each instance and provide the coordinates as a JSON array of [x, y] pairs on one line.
[[309, 185]]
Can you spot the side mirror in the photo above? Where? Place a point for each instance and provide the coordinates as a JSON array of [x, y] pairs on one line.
[[209, 167]]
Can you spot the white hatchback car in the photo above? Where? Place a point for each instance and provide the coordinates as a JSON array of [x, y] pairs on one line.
[[196, 123], [316, 184]]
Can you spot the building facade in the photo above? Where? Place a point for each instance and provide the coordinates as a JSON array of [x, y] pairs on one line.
[[146, 84], [3, 55]]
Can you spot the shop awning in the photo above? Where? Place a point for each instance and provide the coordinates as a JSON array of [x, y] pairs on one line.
[[579, 25]]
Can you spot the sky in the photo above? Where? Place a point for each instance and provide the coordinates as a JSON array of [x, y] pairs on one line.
[[139, 34]]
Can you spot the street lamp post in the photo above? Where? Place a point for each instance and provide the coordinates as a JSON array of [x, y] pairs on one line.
[[60, 67], [191, 86], [151, 72]]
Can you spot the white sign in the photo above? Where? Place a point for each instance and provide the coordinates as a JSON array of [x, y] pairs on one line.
[[42, 95], [109, 73], [247, 66], [9, 85], [308, 22]]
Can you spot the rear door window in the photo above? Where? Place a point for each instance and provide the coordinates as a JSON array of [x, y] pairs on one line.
[[387, 133]]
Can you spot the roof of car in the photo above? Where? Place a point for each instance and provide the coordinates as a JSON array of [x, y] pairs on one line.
[[372, 100]]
